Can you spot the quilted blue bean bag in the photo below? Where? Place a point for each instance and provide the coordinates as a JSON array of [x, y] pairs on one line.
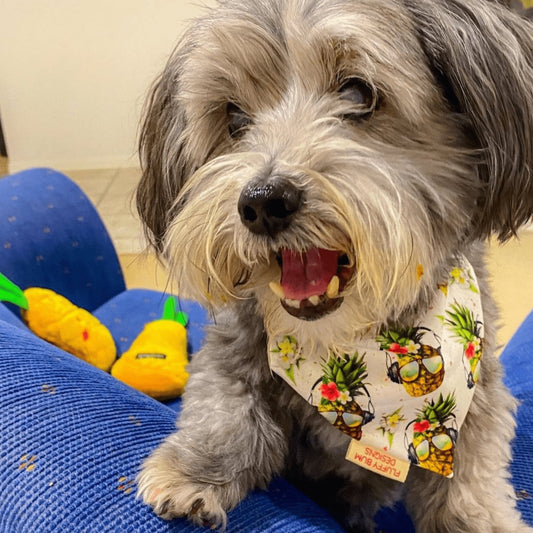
[[72, 437]]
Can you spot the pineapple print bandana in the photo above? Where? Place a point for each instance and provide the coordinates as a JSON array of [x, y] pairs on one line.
[[403, 395]]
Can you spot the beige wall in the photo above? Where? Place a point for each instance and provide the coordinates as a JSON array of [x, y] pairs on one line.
[[74, 73]]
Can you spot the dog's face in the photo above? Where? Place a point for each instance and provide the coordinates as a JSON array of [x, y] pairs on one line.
[[329, 156]]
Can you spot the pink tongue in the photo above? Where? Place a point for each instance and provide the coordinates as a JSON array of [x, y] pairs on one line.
[[308, 273]]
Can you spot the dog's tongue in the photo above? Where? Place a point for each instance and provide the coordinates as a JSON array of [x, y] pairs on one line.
[[305, 274]]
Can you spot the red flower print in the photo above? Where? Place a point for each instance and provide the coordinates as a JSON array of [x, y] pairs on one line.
[[330, 391], [422, 426], [396, 348], [470, 350]]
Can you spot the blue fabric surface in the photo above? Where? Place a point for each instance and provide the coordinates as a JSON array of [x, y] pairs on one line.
[[51, 236], [10, 317], [73, 438], [517, 359], [395, 520]]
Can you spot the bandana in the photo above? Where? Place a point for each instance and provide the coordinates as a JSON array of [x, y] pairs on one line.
[[403, 395]]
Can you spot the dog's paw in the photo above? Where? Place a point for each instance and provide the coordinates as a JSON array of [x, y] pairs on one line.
[[171, 494]]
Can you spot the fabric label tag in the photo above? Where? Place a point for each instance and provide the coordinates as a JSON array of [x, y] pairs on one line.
[[377, 461]]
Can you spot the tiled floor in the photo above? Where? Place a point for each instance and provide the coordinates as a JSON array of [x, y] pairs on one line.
[[511, 269], [3, 166], [112, 191]]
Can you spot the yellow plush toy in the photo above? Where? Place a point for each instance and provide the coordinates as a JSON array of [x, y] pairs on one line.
[[58, 321], [154, 364], [156, 361]]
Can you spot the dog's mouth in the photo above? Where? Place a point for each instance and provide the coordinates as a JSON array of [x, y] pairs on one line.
[[312, 281]]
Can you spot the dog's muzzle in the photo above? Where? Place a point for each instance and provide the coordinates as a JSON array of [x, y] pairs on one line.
[[312, 281], [267, 208]]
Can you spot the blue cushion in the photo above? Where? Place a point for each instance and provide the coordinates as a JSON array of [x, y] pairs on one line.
[[51, 236], [10, 317], [73, 438], [517, 359]]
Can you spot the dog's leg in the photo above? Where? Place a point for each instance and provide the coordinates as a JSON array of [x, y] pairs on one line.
[[352, 497], [227, 442], [316, 464], [479, 498]]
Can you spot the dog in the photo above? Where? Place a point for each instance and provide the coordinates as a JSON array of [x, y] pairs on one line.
[[315, 169]]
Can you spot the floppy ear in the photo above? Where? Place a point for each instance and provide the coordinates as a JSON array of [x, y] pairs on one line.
[[163, 164], [482, 54]]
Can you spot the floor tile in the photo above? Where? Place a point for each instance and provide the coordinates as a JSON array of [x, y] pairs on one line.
[[112, 191], [94, 183], [120, 195], [511, 269], [3, 166]]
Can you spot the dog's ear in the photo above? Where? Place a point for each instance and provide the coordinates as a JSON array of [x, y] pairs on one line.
[[164, 169], [482, 54]]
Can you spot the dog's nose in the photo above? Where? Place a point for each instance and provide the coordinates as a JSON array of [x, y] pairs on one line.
[[269, 207]]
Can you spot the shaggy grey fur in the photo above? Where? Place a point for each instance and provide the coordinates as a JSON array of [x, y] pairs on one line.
[[442, 160]]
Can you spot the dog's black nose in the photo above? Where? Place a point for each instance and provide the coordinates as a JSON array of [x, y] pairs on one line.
[[269, 207]]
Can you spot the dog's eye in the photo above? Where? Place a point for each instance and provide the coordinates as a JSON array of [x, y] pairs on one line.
[[361, 95], [238, 120]]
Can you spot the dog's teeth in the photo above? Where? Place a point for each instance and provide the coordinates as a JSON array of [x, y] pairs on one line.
[[293, 303], [333, 288], [314, 300], [277, 289]]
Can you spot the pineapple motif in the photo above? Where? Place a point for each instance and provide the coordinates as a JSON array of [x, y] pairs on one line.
[[419, 367], [341, 383], [461, 321], [433, 442]]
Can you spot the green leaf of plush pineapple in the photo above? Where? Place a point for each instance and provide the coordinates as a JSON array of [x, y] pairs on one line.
[[9, 292], [170, 312]]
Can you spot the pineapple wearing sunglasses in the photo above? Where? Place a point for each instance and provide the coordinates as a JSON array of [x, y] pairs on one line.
[[341, 387], [419, 367], [434, 436]]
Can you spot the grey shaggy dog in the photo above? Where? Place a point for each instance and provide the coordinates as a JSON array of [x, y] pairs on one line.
[[396, 132]]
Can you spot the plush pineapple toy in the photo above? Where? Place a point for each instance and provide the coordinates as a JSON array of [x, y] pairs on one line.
[[154, 364], [156, 361], [58, 321]]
